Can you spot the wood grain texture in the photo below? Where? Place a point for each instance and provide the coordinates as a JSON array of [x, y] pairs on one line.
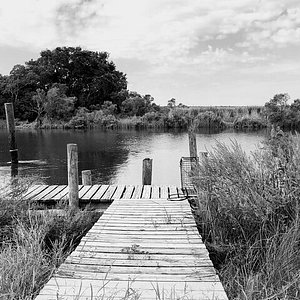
[[145, 246]]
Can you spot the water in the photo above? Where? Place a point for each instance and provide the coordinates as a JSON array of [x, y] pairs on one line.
[[115, 157]]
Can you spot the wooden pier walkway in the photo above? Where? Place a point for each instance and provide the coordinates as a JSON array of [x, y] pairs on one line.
[[103, 193], [142, 247]]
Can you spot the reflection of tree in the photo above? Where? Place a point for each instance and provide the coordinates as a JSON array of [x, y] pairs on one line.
[[102, 152], [104, 164]]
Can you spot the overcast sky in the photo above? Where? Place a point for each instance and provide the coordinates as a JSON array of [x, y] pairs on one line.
[[200, 52]]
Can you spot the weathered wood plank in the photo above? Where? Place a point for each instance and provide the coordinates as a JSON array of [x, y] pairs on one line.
[[128, 192], [62, 194], [109, 193], [90, 193], [35, 191], [44, 193], [84, 190], [173, 257], [50, 196], [146, 192], [100, 192], [155, 192], [112, 289], [30, 190], [137, 192], [119, 192], [164, 192]]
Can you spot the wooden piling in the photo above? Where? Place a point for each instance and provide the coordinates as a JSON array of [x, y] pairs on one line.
[[192, 143], [72, 154], [86, 177], [147, 171], [10, 121]]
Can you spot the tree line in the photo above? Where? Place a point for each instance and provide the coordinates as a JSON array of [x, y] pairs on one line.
[[64, 79], [81, 87]]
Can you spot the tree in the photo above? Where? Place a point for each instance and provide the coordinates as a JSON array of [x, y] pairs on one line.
[[137, 105], [277, 108], [40, 100], [58, 105], [88, 75], [172, 103], [109, 108]]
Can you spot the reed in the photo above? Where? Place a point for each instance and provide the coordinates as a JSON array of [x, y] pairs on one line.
[[32, 245], [248, 214]]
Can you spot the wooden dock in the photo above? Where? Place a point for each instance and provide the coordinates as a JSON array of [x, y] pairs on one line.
[[143, 247], [103, 193]]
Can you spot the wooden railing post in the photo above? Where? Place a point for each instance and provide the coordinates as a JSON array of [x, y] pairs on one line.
[[72, 153], [86, 177], [10, 121], [147, 171]]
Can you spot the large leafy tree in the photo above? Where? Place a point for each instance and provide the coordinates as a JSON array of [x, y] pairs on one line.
[[89, 76]]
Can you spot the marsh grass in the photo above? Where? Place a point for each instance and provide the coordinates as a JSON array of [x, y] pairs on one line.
[[248, 215], [32, 245]]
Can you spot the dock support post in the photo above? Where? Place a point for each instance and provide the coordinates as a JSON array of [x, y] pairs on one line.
[[72, 154], [193, 151], [86, 177], [192, 143], [10, 121], [147, 171]]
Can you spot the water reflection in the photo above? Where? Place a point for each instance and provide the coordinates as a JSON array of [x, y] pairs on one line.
[[113, 156]]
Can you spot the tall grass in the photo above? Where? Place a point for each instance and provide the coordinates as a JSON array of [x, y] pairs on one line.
[[248, 214], [33, 245]]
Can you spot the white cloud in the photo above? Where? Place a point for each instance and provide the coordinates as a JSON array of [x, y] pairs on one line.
[[188, 37]]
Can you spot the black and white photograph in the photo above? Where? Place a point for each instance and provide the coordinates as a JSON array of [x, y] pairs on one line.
[[149, 150]]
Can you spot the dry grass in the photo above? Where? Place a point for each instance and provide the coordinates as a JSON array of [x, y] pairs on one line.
[[248, 215], [32, 245]]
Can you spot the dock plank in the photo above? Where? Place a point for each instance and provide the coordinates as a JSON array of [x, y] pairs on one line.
[[128, 192], [146, 192], [101, 191], [119, 192], [164, 192], [90, 193], [109, 193], [35, 191], [137, 194], [54, 192], [44, 193]]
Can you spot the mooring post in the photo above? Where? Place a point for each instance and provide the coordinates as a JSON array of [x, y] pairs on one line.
[[147, 171], [192, 143], [86, 177], [10, 121], [72, 154]]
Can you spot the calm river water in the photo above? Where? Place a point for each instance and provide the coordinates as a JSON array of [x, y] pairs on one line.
[[115, 157]]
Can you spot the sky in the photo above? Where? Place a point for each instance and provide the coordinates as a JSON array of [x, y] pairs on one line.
[[200, 52]]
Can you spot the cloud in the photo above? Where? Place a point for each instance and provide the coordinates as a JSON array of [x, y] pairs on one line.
[[168, 35]]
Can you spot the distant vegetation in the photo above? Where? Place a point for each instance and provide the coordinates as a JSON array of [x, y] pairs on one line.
[[73, 88], [248, 215]]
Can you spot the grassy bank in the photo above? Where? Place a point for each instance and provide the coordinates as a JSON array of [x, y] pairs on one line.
[[248, 215], [32, 245], [164, 118]]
